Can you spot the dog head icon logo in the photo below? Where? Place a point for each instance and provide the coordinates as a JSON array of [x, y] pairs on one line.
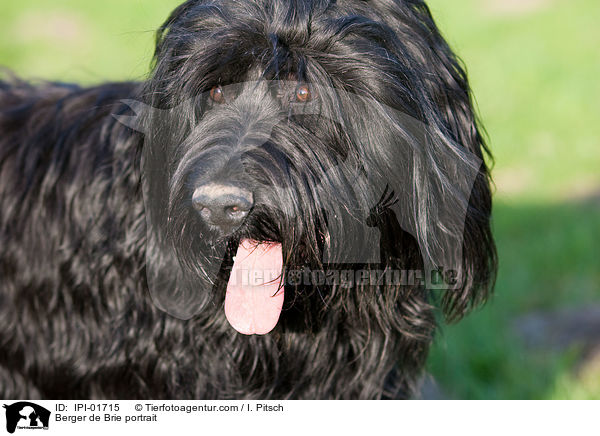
[[26, 415]]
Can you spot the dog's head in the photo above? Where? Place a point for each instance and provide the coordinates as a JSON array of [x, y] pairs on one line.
[[319, 136]]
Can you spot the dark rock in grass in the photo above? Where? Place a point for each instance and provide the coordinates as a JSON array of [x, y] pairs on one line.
[[562, 329]]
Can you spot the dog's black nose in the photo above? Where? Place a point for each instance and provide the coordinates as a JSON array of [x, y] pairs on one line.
[[224, 206]]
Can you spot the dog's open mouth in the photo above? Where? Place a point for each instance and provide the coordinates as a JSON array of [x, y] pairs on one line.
[[255, 293]]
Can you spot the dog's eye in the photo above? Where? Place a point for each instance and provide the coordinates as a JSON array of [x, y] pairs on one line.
[[217, 95], [303, 93]]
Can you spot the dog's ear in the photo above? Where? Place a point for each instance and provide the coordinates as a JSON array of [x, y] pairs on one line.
[[443, 199], [426, 142], [450, 116]]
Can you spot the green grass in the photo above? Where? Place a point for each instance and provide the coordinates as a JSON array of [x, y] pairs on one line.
[[535, 77], [548, 259], [536, 80], [79, 40]]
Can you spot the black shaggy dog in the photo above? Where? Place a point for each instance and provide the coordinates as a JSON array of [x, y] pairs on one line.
[[307, 172]]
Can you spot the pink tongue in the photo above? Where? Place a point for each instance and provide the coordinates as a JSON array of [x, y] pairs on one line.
[[254, 299]]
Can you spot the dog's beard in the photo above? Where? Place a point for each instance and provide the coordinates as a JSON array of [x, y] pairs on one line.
[[251, 261], [288, 230], [255, 259]]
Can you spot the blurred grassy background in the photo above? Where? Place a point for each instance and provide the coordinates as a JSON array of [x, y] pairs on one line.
[[535, 68]]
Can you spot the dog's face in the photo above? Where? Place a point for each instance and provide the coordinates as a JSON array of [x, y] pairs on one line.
[[308, 135]]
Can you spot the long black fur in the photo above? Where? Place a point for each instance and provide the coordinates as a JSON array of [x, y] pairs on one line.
[[78, 244]]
